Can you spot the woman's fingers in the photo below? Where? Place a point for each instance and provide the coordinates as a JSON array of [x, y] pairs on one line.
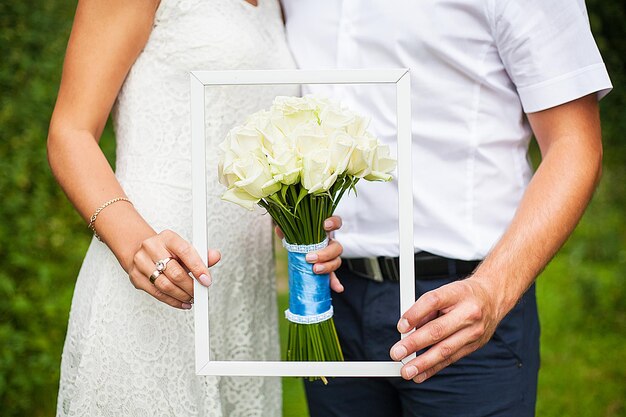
[[141, 282], [177, 275], [165, 285], [187, 255], [154, 291], [173, 285], [213, 256]]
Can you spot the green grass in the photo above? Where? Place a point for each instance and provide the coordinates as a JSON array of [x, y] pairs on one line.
[[583, 368], [294, 401]]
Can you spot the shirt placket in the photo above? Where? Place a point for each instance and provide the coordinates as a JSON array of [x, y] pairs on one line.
[[346, 58], [346, 48]]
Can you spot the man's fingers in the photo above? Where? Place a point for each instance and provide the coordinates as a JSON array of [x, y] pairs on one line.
[[335, 284], [326, 260], [332, 223], [428, 335], [432, 301], [279, 232], [327, 267], [439, 356], [330, 252]]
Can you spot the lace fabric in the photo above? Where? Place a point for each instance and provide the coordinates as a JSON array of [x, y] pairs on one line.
[[126, 354]]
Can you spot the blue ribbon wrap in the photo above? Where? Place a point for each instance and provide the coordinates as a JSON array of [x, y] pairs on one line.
[[309, 293]]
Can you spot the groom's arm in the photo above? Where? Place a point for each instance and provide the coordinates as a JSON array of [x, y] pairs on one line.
[[456, 319]]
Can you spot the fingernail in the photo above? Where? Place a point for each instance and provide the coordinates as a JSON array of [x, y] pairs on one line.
[[328, 224], [420, 378], [205, 280], [410, 371], [186, 306], [311, 257], [398, 352], [319, 268], [403, 325]]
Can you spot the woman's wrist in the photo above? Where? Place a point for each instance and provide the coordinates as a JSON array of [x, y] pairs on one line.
[[123, 230]]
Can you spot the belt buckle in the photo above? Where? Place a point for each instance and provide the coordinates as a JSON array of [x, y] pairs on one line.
[[372, 269]]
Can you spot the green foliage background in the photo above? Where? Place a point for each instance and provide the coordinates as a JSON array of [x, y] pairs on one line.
[[42, 241]]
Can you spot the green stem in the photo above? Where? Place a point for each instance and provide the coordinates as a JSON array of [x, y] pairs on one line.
[[281, 219], [314, 218], [347, 184], [307, 215]]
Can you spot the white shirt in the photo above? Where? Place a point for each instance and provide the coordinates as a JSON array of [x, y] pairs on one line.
[[476, 67]]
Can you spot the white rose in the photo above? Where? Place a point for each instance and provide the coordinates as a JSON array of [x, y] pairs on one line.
[[243, 140], [309, 137], [239, 143], [241, 197], [225, 172], [255, 177], [285, 164], [358, 127], [335, 118], [381, 164], [289, 106], [316, 177], [258, 119], [288, 113], [341, 147], [319, 103], [360, 159], [262, 122]]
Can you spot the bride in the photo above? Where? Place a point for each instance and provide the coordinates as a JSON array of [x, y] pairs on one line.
[[129, 349]]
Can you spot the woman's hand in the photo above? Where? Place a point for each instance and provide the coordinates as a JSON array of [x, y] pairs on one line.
[[174, 284], [327, 260]]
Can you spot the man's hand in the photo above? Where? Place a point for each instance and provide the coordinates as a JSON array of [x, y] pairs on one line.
[[456, 319], [451, 321], [327, 260]]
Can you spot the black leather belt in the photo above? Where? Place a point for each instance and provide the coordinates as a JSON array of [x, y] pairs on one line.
[[427, 266]]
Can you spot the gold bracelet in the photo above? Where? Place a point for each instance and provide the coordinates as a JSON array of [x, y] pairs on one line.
[[93, 218]]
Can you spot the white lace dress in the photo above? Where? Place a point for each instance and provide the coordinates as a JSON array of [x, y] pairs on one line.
[[125, 353]]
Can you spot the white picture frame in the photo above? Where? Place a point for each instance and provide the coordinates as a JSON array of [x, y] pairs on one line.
[[199, 80]]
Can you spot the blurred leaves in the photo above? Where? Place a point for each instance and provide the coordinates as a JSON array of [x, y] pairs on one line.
[[42, 240]]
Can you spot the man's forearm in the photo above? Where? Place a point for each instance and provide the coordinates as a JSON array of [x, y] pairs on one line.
[[455, 319], [552, 206]]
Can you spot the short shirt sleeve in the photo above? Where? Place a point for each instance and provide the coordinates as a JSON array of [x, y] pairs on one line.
[[548, 51]]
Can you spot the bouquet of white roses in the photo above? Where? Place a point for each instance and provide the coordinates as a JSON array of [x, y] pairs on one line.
[[297, 160]]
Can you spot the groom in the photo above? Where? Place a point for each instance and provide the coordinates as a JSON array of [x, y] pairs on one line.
[[485, 75]]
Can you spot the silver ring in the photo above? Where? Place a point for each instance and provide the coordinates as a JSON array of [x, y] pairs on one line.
[[161, 265], [154, 276]]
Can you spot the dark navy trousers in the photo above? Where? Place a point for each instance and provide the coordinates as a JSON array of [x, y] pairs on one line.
[[498, 380]]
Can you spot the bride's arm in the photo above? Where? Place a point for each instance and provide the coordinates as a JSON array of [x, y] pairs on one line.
[[106, 38]]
